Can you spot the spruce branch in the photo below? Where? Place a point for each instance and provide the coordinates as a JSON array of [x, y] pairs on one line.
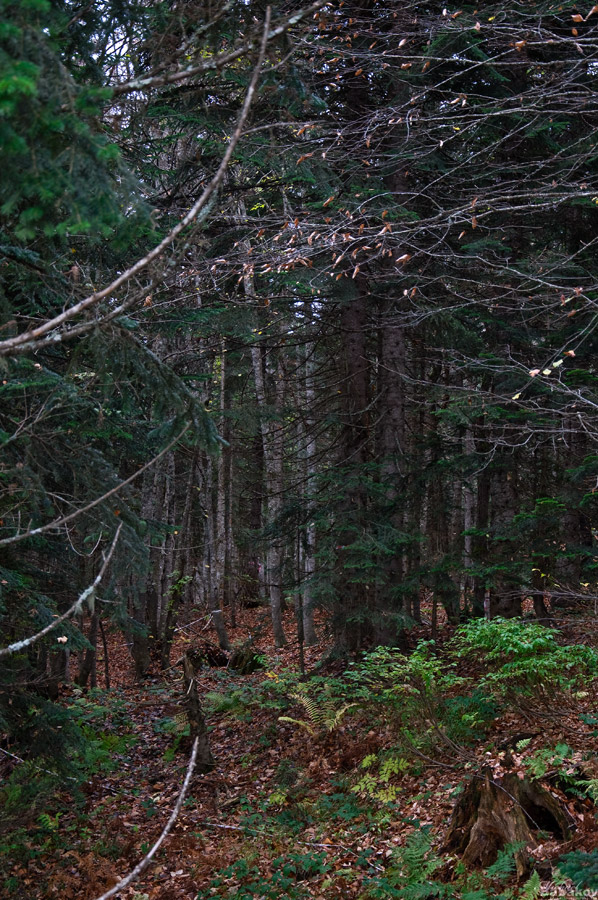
[[86, 596], [30, 340], [57, 523]]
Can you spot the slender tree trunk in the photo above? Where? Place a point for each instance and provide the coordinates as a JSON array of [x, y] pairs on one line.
[[308, 551], [352, 621], [468, 518], [106, 657], [273, 447], [87, 669], [229, 574], [221, 522], [214, 594]]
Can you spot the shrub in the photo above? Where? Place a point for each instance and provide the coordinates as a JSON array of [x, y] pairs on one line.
[[528, 668]]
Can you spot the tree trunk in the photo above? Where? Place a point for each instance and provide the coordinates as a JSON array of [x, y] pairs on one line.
[[219, 566], [197, 723], [308, 439], [87, 669], [395, 608], [505, 594], [352, 620], [273, 448]]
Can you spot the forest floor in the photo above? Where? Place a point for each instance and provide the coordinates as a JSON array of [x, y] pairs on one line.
[[279, 816]]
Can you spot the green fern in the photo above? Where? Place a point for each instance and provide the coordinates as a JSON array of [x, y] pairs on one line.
[[505, 865], [323, 714], [532, 888], [591, 787], [301, 722], [377, 786], [47, 822]]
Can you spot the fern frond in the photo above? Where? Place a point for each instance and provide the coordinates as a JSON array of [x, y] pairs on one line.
[[313, 708], [532, 887], [338, 715], [323, 714], [299, 722]]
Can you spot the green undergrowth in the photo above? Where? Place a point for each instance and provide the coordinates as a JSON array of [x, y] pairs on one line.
[[376, 727], [413, 871], [42, 800], [438, 703]]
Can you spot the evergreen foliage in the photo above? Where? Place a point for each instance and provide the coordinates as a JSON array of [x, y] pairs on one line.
[[581, 868]]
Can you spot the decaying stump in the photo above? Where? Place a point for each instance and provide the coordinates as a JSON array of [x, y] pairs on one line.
[[493, 812], [245, 660], [207, 654], [197, 722]]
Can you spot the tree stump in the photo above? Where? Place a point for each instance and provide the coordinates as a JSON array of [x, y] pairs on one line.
[[245, 660], [197, 723], [207, 654], [493, 812]]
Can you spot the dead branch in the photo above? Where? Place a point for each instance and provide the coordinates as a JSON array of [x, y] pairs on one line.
[[144, 863], [87, 596]]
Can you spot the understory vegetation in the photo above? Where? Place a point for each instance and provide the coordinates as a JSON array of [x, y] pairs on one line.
[[348, 781]]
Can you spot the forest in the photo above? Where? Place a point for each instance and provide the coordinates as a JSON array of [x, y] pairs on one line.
[[299, 429]]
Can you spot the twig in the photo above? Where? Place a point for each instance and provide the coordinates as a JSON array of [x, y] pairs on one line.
[[37, 768], [144, 863], [87, 595], [220, 60]]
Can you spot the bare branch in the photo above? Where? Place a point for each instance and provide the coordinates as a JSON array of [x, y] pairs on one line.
[[85, 597], [220, 60]]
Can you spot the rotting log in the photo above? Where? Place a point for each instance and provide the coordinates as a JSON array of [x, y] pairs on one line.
[[494, 812], [197, 723]]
